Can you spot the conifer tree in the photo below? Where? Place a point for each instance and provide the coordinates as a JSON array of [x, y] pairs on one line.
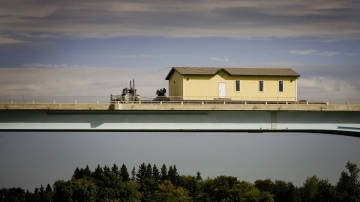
[[124, 173], [133, 174], [173, 175], [48, 188], [164, 175], [140, 175], [148, 173], [106, 169], [41, 189], [198, 176], [76, 174], [98, 172], [156, 173], [87, 171], [115, 169]]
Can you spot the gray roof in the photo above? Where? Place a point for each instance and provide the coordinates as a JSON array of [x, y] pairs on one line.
[[233, 71]]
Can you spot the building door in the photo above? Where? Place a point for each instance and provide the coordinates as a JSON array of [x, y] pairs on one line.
[[222, 90]]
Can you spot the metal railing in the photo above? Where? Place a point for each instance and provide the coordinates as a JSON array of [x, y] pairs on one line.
[[54, 99], [152, 100]]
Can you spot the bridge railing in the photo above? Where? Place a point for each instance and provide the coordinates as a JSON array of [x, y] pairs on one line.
[[152, 100], [54, 99]]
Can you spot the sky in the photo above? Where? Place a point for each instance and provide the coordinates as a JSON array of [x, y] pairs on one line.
[[34, 158], [93, 48]]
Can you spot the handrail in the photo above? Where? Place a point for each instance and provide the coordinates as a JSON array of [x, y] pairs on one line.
[[144, 100], [156, 100]]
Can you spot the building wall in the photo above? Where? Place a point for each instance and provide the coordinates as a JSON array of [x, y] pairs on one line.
[[207, 88], [176, 86]]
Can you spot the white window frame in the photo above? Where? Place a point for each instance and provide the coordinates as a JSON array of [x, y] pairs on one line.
[[236, 85], [262, 86], [282, 81]]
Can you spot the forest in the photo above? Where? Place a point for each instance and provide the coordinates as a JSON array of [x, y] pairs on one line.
[[152, 183]]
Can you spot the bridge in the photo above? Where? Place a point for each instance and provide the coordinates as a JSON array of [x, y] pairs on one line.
[[166, 116]]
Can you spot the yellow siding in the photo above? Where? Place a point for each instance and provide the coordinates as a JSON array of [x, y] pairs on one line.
[[207, 88], [176, 86]]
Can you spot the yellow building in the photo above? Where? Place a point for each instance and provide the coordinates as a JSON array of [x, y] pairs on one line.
[[247, 84]]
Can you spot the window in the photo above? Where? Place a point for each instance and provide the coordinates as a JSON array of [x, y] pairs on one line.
[[261, 85], [237, 85], [281, 86]]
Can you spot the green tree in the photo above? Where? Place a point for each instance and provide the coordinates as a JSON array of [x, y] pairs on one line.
[[76, 174], [265, 185], [140, 175], [198, 175], [87, 171], [148, 173], [12, 194], [310, 189], [63, 191], [124, 173], [156, 173], [173, 175], [285, 192], [132, 192], [167, 192], [83, 190], [327, 192], [115, 169], [164, 175], [348, 187], [133, 174], [191, 184], [98, 173]]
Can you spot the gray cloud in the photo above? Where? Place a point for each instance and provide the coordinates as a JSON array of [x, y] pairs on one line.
[[230, 18], [8, 40], [313, 52], [67, 80], [334, 83]]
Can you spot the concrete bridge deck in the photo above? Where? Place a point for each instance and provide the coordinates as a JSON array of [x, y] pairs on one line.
[[184, 107], [327, 118]]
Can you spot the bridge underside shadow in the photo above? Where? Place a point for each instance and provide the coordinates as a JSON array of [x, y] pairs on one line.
[[330, 122]]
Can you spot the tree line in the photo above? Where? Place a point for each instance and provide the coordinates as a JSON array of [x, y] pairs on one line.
[[150, 183]]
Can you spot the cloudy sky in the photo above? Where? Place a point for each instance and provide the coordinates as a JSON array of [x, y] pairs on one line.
[[94, 47]]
